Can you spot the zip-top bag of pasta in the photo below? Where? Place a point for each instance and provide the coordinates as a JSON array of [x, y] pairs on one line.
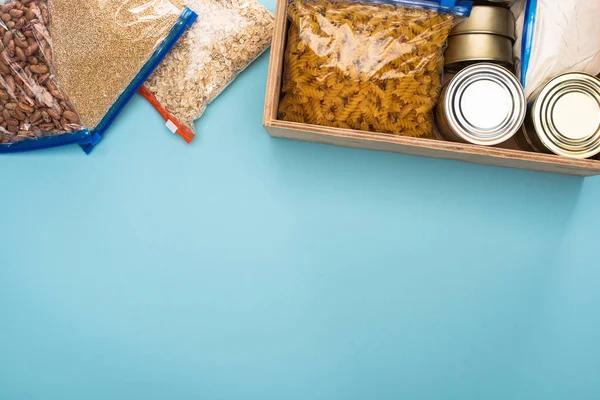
[[104, 50], [34, 112], [227, 37], [367, 65]]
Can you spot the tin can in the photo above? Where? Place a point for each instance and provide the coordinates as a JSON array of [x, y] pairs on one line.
[[484, 104], [564, 117], [489, 20], [468, 49]]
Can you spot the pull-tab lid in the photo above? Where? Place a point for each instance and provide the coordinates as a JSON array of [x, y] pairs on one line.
[[566, 115]]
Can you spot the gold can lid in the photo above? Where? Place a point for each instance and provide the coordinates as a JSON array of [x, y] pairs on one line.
[[566, 115], [492, 20], [467, 49]]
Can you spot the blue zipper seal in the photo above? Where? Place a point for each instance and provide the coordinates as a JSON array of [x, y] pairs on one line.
[[460, 8], [81, 136], [186, 19], [527, 40]]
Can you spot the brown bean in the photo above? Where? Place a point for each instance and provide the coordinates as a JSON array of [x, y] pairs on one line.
[[20, 23], [51, 86], [6, 17], [5, 69], [53, 114], [10, 48], [6, 38], [32, 49], [10, 82], [36, 116], [42, 79], [21, 42], [26, 100], [30, 14], [20, 54], [19, 115], [28, 91], [10, 106], [45, 116], [57, 94], [26, 107], [39, 69], [15, 13], [71, 116], [65, 125]]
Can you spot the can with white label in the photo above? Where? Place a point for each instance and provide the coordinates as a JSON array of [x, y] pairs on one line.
[[483, 104], [564, 117]]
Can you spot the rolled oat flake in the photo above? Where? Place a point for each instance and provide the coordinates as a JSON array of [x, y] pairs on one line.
[[227, 37]]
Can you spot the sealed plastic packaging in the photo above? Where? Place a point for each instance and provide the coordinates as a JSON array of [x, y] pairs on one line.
[[366, 65], [556, 37], [106, 49], [227, 37], [34, 112]]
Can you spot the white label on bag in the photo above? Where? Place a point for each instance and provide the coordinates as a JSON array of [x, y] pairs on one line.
[[172, 127]]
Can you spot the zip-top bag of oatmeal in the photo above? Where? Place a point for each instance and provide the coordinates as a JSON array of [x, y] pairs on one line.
[[227, 37]]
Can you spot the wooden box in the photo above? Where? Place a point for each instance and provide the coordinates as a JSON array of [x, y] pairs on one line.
[[407, 145]]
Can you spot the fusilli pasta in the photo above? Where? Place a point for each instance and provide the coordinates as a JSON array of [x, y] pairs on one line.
[[363, 66]]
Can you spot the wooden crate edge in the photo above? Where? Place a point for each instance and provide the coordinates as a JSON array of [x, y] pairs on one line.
[[382, 142]]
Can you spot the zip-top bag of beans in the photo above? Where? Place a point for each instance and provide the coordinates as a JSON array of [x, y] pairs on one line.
[[34, 112], [227, 37], [104, 50]]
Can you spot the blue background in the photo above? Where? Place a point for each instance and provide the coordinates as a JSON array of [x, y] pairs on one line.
[[246, 267]]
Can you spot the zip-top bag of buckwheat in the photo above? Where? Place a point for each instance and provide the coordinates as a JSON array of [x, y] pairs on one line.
[[104, 50], [227, 37]]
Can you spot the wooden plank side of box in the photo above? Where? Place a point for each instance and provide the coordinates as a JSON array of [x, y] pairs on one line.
[[384, 142], [433, 148]]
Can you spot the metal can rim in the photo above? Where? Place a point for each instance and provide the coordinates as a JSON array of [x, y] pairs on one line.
[[485, 70], [488, 19], [544, 126]]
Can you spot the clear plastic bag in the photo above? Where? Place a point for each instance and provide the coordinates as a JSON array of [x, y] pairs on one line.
[[371, 66], [106, 49], [227, 37], [34, 111], [555, 37]]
